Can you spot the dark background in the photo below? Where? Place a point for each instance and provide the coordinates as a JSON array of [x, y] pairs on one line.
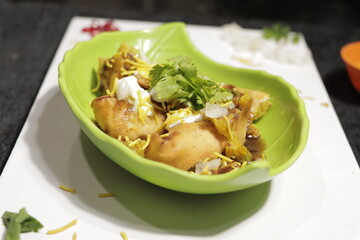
[[30, 31]]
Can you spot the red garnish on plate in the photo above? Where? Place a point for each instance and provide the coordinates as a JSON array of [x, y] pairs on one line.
[[96, 28]]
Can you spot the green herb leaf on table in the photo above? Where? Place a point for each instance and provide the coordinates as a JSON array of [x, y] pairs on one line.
[[181, 81], [17, 223]]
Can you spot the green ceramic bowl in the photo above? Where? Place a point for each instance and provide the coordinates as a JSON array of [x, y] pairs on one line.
[[284, 128]]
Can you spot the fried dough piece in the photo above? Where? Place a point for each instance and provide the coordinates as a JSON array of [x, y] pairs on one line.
[[116, 118], [238, 122], [186, 145], [261, 100], [114, 67]]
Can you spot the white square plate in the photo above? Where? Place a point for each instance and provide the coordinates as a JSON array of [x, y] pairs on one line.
[[317, 198]]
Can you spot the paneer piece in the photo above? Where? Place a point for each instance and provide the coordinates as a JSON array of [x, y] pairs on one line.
[[261, 100], [116, 118], [186, 145]]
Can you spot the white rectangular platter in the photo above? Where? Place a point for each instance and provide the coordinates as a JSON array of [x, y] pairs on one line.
[[317, 198]]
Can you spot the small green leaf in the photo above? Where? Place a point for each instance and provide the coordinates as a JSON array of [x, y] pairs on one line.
[[296, 38], [185, 65], [17, 223]]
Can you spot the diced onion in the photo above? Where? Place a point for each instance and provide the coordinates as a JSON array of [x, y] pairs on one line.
[[208, 165], [215, 110]]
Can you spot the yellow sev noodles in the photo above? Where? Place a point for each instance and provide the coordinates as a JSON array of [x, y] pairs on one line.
[[146, 143], [229, 127], [105, 195], [124, 236], [223, 157], [243, 164], [138, 145], [67, 189], [63, 228], [138, 66]]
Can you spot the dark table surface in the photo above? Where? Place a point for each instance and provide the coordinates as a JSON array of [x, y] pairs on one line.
[[30, 32]]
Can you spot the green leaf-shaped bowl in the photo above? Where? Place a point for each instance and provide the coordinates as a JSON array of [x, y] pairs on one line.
[[284, 128]]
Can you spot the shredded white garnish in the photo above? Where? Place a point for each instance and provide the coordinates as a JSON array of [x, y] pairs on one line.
[[252, 49]]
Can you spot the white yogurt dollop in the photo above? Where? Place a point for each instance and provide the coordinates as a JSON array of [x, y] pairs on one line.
[[128, 88], [188, 119]]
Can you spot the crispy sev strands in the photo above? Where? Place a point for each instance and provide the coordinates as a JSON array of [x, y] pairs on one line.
[[136, 64], [140, 110], [146, 143], [133, 143], [63, 228], [124, 236], [226, 104], [229, 127], [243, 164], [105, 195], [67, 189], [127, 73], [223, 157], [157, 107], [165, 135], [138, 145], [157, 120], [205, 171], [113, 90]]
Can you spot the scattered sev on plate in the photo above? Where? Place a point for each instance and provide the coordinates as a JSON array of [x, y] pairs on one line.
[[104, 195], [63, 228], [124, 236], [67, 189]]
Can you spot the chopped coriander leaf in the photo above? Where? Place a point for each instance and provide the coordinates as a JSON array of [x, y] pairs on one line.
[[17, 223], [280, 32], [296, 38], [181, 81]]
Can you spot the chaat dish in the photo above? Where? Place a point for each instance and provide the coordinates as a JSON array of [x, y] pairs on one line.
[[171, 113]]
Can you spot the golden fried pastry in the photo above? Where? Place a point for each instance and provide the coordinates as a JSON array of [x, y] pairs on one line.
[[261, 100], [116, 118], [186, 145]]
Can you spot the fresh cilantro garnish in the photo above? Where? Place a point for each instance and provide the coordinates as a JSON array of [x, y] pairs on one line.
[[181, 81], [17, 223], [279, 32], [296, 38]]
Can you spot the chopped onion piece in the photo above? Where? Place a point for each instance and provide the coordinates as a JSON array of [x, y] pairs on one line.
[[216, 110], [209, 165]]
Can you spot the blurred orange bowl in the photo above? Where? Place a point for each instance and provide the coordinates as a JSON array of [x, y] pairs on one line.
[[350, 53]]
